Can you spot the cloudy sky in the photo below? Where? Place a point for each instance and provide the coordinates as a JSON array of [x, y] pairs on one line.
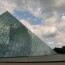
[[45, 18]]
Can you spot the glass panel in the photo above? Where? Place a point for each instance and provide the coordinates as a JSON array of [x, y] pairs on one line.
[[17, 40]]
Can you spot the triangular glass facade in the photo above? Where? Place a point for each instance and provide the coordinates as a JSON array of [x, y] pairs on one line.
[[17, 40]]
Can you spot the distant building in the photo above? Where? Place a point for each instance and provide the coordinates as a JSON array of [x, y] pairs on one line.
[[60, 50], [17, 40]]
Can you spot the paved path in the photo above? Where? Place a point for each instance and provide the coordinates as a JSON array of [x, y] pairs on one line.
[[35, 59]]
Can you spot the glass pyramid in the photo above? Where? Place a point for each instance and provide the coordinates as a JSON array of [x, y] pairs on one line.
[[16, 40]]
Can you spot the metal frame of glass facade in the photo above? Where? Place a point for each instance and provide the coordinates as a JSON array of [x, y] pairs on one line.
[[17, 40]]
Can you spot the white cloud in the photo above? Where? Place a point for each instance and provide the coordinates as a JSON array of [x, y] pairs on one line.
[[59, 45], [36, 12], [61, 23], [63, 18], [60, 2], [46, 31], [39, 8], [61, 37], [5, 5]]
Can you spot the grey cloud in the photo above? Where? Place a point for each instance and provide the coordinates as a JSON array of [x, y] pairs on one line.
[[47, 6]]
